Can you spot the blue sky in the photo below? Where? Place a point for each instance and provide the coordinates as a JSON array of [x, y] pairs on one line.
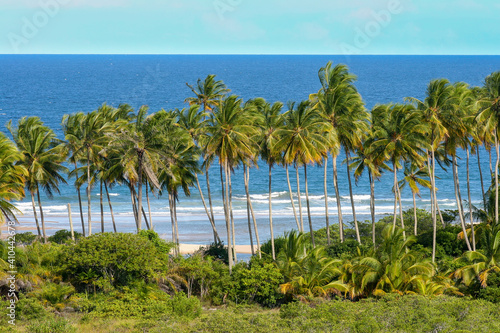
[[250, 26]]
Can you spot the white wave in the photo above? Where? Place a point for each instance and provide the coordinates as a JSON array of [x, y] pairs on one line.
[[357, 197]]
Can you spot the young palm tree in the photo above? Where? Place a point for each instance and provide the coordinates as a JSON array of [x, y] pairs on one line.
[[229, 137], [304, 142], [12, 178], [42, 158]]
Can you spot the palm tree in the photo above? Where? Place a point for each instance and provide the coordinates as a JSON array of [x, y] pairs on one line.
[[343, 108], [229, 137], [12, 178], [42, 158], [304, 142], [489, 113], [399, 136]]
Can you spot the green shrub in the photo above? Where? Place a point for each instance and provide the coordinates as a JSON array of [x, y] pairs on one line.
[[184, 306], [54, 294], [63, 236], [162, 245], [25, 238], [30, 309], [51, 326], [110, 259], [217, 251]]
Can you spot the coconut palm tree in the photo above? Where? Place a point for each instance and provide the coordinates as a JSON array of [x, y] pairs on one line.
[[42, 157], [229, 138], [12, 178], [304, 141], [342, 106]]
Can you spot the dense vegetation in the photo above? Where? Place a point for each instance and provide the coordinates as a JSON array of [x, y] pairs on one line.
[[438, 264]]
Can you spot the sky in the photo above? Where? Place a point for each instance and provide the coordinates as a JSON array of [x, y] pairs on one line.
[[249, 27]]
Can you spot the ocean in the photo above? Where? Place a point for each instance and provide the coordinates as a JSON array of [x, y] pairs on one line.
[[50, 86]]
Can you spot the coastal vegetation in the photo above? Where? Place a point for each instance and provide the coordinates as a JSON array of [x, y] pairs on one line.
[[412, 271]]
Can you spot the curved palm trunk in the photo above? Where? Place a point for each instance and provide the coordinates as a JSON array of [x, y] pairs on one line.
[[174, 203], [481, 177], [491, 166], [439, 213], [327, 220], [299, 199], [401, 214], [252, 212], [171, 208], [41, 215], [89, 210], [149, 206], [214, 229], [308, 207], [356, 226], [470, 205], [395, 190], [433, 205], [372, 204], [139, 193], [231, 213], [291, 197], [110, 207], [462, 222], [459, 193], [209, 194], [134, 208], [496, 175], [337, 196], [80, 203], [102, 207], [248, 208], [271, 214], [415, 222], [34, 213], [225, 189]]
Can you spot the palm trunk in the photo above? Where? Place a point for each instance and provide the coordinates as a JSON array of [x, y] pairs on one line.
[[439, 213], [462, 222], [415, 222], [139, 193], [491, 166], [149, 206], [308, 207], [271, 214], [434, 206], [372, 204], [80, 202], [134, 207], [231, 214], [225, 189], [102, 207], [148, 227], [299, 199], [209, 193], [34, 213], [174, 203], [434, 202], [401, 214], [245, 171], [395, 190], [460, 193], [337, 196], [326, 202], [291, 197], [89, 212], [110, 207], [356, 226], [470, 204], [171, 208], [41, 215], [496, 176], [481, 177], [249, 201], [214, 229]]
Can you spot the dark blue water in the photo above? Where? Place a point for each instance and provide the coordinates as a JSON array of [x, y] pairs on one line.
[[50, 86]]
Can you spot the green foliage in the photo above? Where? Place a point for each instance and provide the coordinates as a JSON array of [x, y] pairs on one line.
[[51, 326], [25, 238], [217, 251], [110, 259], [279, 242], [63, 236], [162, 245], [447, 242], [54, 294], [346, 250], [29, 309]]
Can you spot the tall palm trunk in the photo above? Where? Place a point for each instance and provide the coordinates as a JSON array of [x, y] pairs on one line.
[[308, 207], [171, 208], [481, 177], [102, 207], [214, 229], [225, 189], [209, 194], [34, 213], [470, 204], [41, 215], [174, 204], [497, 148], [462, 222], [356, 226], [80, 202], [89, 211], [231, 213], [433, 205], [134, 208], [248, 208], [139, 192], [249, 203], [433, 196], [149, 205], [491, 167], [271, 213], [415, 222], [395, 190], [459, 193], [327, 220], [337, 196], [372, 204], [299, 199], [401, 214], [110, 207], [291, 196]]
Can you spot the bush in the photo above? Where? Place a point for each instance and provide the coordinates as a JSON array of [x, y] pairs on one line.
[[51, 326], [217, 251], [63, 236], [54, 294], [110, 259], [30, 309], [447, 242], [162, 245], [25, 238]]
